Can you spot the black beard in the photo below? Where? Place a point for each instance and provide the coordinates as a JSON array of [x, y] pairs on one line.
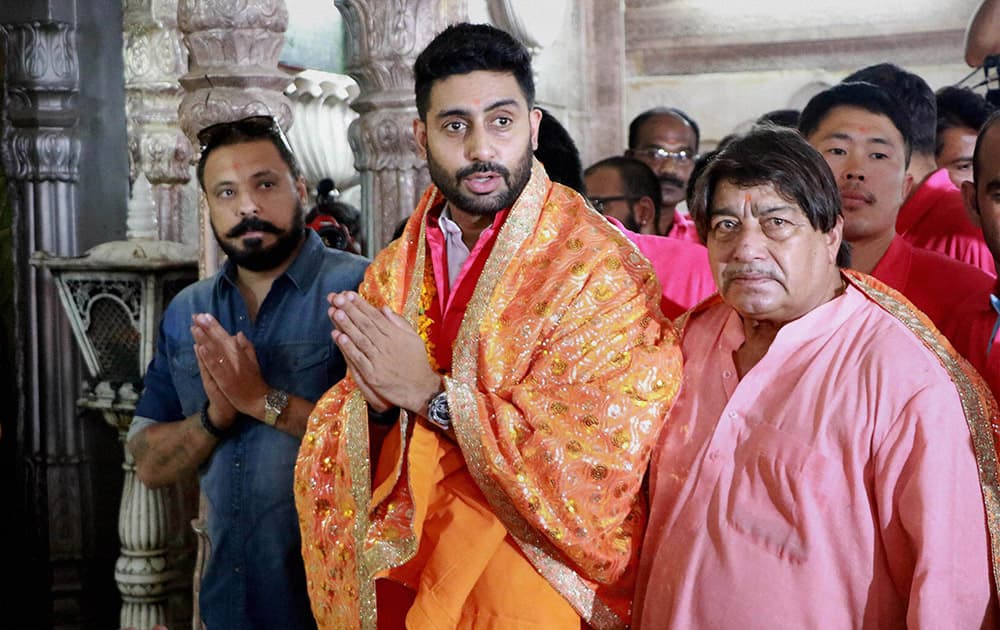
[[252, 256], [450, 185], [630, 222]]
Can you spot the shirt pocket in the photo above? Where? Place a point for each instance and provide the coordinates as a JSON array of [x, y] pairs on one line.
[[779, 485], [300, 368], [187, 381]]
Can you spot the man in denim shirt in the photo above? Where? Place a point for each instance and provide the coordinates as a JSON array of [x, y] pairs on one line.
[[241, 358]]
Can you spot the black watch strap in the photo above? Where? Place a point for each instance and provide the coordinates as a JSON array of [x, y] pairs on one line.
[[211, 429], [385, 418]]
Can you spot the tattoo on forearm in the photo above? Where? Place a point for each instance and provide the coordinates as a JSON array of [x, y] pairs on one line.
[[140, 445]]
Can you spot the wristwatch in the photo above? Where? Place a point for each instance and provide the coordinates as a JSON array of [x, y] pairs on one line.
[[274, 403], [438, 412]]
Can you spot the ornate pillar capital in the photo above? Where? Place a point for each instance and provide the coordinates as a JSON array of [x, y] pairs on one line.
[[42, 84], [384, 39], [233, 70]]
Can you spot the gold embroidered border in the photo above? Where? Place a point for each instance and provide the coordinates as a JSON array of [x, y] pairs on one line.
[[356, 440], [519, 226], [383, 555], [978, 416]]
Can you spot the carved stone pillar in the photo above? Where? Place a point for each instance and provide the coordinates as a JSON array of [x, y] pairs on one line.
[[40, 151], [233, 72], [155, 58], [384, 39]]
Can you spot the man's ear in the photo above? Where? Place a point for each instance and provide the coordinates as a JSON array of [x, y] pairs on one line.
[[535, 118], [971, 203], [907, 186], [302, 190], [420, 135], [645, 211], [834, 237]]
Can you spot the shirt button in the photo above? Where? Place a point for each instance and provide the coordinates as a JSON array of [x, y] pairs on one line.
[[713, 455], [238, 569], [732, 414], [727, 374]]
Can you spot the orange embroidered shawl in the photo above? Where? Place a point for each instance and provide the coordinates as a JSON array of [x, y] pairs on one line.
[[561, 374]]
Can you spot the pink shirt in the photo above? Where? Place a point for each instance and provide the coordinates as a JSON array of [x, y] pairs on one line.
[[833, 486], [683, 229], [934, 218], [680, 266]]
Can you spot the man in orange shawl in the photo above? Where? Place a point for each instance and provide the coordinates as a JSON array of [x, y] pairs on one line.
[[510, 348]]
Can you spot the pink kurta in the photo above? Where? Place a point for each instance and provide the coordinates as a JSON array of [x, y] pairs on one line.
[[680, 266], [833, 486], [934, 218]]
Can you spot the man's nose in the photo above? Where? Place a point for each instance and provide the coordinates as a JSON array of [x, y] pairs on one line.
[[854, 170], [749, 243], [479, 145], [247, 203]]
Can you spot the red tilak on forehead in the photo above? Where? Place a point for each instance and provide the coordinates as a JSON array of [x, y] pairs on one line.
[[746, 198]]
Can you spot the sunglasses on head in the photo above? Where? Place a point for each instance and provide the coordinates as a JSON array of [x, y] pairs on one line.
[[250, 127]]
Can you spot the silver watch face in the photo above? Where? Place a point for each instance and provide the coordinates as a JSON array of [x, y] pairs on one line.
[[276, 399], [438, 411], [274, 403]]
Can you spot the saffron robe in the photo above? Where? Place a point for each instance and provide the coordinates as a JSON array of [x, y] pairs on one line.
[[561, 373]]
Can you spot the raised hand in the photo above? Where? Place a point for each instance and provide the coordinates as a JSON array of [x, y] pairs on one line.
[[387, 358], [231, 364]]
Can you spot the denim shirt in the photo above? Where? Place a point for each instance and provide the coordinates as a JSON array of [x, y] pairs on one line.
[[254, 577]]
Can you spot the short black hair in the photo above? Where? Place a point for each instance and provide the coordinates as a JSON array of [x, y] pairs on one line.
[[989, 124], [912, 96], [781, 118], [638, 180], [249, 129], [959, 107], [861, 95], [780, 157], [558, 153], [463, 48], [640, 120], [699, 167]]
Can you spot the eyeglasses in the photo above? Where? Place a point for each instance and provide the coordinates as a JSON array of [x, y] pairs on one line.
[[251, 127], [659, 154], [599, 203]]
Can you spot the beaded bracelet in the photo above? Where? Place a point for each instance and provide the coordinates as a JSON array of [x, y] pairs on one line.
[[211, 429]]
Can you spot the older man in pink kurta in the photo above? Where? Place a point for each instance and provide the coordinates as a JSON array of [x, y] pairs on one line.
[[820, 468]]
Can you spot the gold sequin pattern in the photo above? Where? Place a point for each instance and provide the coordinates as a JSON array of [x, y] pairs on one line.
[[550, 377]]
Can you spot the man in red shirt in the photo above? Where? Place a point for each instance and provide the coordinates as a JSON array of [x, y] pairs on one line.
[[865, 140], [933, 216], [976, 319]]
